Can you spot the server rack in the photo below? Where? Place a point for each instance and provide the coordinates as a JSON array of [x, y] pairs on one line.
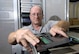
[[25, 6], [25, 20]]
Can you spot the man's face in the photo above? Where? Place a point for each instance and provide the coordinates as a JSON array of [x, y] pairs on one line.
[[36, 15]]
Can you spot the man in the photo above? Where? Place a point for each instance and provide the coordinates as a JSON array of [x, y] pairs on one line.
[[26, 35]]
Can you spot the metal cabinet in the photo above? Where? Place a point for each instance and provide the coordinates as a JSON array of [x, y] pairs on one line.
[[8, 23], [58, 8]]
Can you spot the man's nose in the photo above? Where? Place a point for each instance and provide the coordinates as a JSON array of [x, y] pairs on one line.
[[36, 15]]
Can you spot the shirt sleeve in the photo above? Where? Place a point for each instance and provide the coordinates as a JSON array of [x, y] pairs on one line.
[[51, 23]]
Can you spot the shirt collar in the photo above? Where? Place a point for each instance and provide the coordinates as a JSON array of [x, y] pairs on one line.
[[34, 29]]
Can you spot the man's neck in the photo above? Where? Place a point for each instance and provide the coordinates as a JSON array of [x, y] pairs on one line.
[[36, 27]]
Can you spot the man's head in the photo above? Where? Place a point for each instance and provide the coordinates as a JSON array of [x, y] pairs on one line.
[[36, 15]]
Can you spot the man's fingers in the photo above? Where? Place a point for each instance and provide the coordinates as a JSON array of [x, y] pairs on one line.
[[52, 33], [30, 40], [30, 34], [62, 33], [26, 45], [19, 35]]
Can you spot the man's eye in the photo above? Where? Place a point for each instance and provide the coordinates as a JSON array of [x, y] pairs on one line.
[[36, 14], [33, 14]]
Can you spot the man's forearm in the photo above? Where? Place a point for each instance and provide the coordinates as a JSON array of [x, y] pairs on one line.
[[59, 28], [11, 38], [63, 24]]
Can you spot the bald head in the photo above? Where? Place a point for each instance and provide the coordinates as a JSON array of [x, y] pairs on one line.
[[36, 7]]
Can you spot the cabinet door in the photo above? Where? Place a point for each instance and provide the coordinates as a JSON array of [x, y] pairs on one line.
[[5, 28], [7, 25], [56, 7]]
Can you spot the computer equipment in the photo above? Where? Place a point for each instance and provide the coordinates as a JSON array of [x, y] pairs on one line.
[[48, 41]]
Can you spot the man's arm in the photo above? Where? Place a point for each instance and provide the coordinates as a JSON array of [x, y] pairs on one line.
[[23, 36], [60, 28], [63, 24], [11, 38]]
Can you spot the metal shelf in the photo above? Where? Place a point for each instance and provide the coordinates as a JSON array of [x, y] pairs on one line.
[[27, 4], [31, 2], [74, 26]]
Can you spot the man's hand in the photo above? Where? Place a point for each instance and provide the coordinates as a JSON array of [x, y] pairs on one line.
[[23, 37], [57, 30], [26, 35], [60, 28]]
